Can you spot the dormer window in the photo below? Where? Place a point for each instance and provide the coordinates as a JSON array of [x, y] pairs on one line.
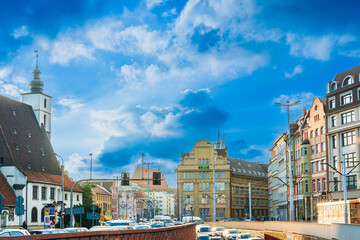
[[28, 165], [28, 133], [28, 148], [333, 86], [16, 146], [347, 81], [14, 131], [14, 112], [42, 168], [42, 152]]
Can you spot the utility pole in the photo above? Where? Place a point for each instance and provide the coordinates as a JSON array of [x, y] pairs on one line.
[[250, 214], [148, 164], [287, 105]]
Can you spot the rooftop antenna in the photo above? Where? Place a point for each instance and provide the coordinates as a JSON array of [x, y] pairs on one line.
[[37, 58]]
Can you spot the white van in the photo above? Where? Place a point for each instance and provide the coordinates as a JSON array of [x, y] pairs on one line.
[[164, 219], [190, 219]]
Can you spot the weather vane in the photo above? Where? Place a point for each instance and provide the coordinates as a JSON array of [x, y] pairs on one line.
[[37, 57]]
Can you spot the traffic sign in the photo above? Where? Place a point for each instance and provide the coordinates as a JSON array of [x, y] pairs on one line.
[[92, 216], [77, 210], [19, 200], [1, 205], [93, 207], [19, 210]]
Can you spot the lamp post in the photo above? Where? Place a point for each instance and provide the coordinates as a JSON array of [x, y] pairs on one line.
[[287, 105], [62, 190]]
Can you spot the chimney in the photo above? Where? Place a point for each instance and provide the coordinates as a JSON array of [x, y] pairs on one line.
[[304, 111]]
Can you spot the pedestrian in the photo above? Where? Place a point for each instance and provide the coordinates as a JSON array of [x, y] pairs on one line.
[[24, 225]]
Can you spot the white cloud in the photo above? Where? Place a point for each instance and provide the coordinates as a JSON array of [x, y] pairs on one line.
[[160, 127], [319, 48], [64, 49], [71, 103], [10, 90], [297, 70], [169, 13], [5, 72], [20, 32], [186, 91], [305, 98], [150, 4]]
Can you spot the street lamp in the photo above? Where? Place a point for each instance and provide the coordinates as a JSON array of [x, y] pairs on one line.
[[62, 189], [287, 105]]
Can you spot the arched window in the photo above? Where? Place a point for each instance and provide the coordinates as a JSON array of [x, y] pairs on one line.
[[316, 107], [317, 132], [312, 134], [347, 81], [42, 214], [322, 130], [333, 86], [34, 214]]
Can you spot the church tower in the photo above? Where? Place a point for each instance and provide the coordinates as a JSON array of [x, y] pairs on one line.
[[40, 102]]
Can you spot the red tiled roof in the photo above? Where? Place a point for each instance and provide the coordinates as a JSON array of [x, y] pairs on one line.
[[6, 191], [143, 172], [51, 178]]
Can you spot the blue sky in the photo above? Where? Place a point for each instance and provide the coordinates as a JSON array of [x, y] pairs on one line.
[[156, 76]]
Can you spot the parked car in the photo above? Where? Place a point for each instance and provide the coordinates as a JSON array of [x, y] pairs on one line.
[[218, 230], [121, 228], [156, 224], [99, 228], [244, 236], [114, 223], [231, 234], [140, 227], [194, 219], [169, 225], [216, 238], [79, 229], [8, 232], [47, 231], [255, 238], [204, 229], [203, 237], [232, 220]]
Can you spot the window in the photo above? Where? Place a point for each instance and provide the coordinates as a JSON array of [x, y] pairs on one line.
[[350, 159], [14, 112], [312, 134], [220, 199], [323, 146], [319, 166], [28, 165], [34, 215], [204, 212], [42, 214], [305, 151], [43, 193], [313, 185], [334, 161], [28, 133], [199, 161], [322, 131], [348, 138], [207, 161], [336, 188], [316, 107], [306, 186], [305, 167], [242, 201], [318, 185], [333, 86], [78, 197], [313, 149], [347, 81], [44, 102], [16, 146], [42, 151], [52, 193], [331, 103], [188, 175], [351, 182], [237, 201], [333, 121], [346, 98], [28, 148], [223, 174], [66, 198], [347, 117], [313, 167], [204, 199], [192, 175], [333, 141], [317, 148], [185, 175], [219, 186], [14, 131], [220, 212], [35, 192], [316, 117], [188, 187], [324, 184], [317, 132]]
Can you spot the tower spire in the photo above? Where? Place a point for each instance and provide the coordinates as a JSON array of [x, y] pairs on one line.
[[218, 141], [36, 85], [223, 142]]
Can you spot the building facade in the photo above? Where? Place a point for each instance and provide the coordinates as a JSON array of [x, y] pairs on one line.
[[343, 133], [102, 199], [195, 181]]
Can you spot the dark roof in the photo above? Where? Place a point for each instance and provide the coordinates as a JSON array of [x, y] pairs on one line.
[[221, 152], [20, 129], [6, 191], [354, 72], [246, 168], [100, 190]]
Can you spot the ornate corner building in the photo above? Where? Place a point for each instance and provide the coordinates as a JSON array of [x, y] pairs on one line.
[[233, 179]]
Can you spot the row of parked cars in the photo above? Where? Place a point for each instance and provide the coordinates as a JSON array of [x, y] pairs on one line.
[[205, 232], [114, 225]]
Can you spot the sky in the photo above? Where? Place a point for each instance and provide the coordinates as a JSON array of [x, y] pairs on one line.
[[154, 77]]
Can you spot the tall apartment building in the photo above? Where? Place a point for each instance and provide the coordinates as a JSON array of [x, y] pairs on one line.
[[343, 124], [277, 173], [195, 181]]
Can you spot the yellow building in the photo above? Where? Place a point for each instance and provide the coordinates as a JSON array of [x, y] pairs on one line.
[[102, 199], [195, 181]]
